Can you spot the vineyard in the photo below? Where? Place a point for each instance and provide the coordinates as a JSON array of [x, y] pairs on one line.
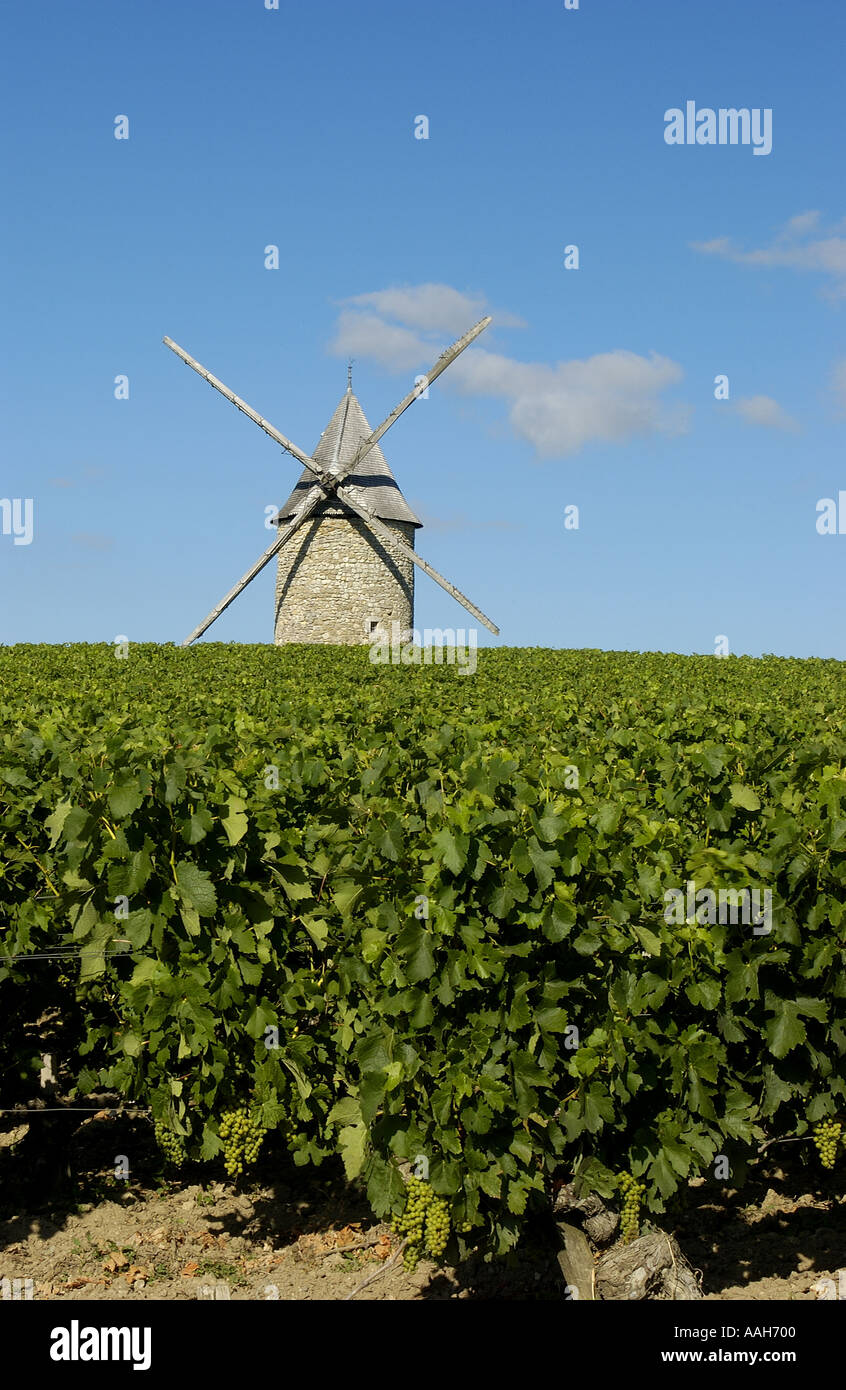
[[422, 920]]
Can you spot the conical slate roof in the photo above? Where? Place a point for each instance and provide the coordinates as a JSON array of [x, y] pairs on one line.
[[373, 478]]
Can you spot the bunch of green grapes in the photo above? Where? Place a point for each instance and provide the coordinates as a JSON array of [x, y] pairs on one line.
[[424, 1223], [630, 1215], [827, 1139], [437, 1227], [242, 1133], [171, 1144]]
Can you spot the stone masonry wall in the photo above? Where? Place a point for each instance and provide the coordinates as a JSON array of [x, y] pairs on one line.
[[334, 579]]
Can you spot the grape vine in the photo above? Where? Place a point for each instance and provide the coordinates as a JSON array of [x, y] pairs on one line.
[[298, 915]]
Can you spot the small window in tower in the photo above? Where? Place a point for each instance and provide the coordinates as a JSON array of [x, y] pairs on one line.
[[372, 626]]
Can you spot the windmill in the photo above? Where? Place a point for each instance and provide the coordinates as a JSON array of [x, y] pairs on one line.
[[350, 574]]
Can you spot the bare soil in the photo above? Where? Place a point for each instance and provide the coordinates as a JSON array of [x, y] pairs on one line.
[[308, 1235], [772, 1239]]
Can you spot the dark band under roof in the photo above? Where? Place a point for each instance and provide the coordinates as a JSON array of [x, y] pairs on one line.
[[375, 481]]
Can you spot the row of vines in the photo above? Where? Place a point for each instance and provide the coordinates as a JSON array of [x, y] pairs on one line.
[[394, 912]]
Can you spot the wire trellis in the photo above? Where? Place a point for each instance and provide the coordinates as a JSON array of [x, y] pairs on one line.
[[71, 953], [79, 1110]]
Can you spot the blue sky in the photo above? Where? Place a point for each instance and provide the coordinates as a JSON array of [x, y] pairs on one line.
[[594, 386]]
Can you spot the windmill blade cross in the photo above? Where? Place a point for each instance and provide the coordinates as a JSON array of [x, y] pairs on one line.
[[328, 482], [331, 480]]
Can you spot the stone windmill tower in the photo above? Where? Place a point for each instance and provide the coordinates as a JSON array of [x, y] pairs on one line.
[[336, 581], [349, 576]]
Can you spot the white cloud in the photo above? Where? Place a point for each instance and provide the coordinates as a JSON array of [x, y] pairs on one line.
[[763, 410], [558, 407], [801, 223], [793, 248], [366, 335], [432, 308]]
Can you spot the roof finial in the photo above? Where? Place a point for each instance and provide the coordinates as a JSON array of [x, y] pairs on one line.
[[349, 373]]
